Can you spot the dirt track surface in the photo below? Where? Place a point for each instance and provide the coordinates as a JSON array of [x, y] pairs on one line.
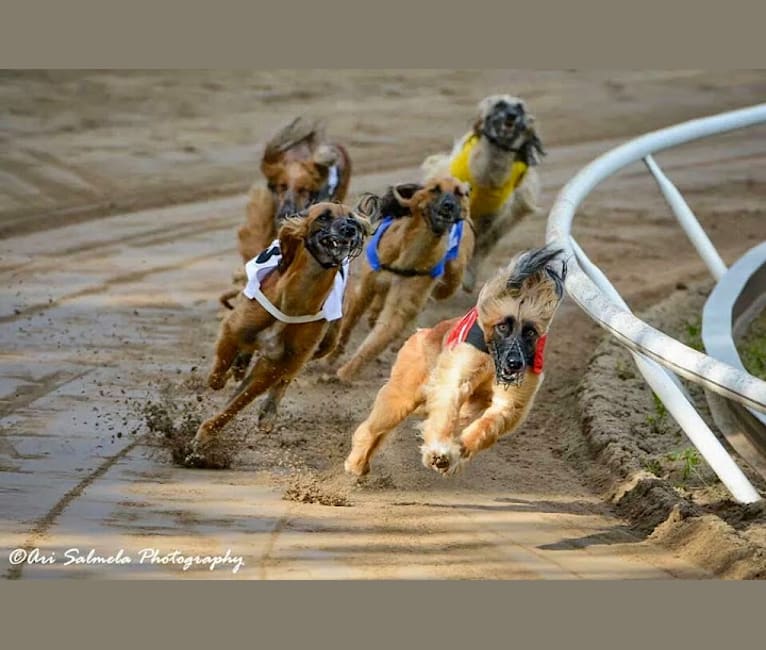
[[101, 316]]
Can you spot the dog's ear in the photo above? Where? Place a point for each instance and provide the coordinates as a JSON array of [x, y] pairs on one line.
[[404, 192], [291, 237], [396, 201], [531, 149]]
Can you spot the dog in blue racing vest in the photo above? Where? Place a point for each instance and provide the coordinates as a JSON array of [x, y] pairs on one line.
[[420, 248]]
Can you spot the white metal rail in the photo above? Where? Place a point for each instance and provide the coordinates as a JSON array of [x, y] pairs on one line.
[[654, 351]]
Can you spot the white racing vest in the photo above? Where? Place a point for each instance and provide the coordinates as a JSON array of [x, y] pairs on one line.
[[257, 268]]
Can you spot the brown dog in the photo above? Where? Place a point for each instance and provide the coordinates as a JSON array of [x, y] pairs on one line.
[[421, 247], [287, 318], [300, 170], [476, 377]]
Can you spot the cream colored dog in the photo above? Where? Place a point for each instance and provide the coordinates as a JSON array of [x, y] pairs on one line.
[[475, 377], [497, 157]]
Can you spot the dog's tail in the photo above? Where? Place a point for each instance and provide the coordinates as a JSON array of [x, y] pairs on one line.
[[300, 130], [224, 298]]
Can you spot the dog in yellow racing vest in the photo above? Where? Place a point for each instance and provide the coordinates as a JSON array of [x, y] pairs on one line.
[[497, 158]]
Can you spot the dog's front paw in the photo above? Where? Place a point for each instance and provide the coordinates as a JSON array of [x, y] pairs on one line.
[[356, 464], [328, 378], [217, 381], [195, 452], [442, 457], [345, 374]]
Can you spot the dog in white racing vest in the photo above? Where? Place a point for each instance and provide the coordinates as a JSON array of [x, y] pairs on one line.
[[291, 311]]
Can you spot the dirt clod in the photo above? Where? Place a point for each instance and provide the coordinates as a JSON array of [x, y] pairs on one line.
[[310, 488]]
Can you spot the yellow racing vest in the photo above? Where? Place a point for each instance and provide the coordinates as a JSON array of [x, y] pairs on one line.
[[485, 199]]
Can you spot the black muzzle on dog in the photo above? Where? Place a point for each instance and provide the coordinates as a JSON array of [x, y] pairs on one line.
[[340, 240], [504, 125], [511, 356], [444, 213]]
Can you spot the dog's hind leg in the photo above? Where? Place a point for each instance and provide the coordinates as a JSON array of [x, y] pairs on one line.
[[268, 411], [240, 365], [354, 305], [375, 308], [403, 304], [395, 401], [329, 341]]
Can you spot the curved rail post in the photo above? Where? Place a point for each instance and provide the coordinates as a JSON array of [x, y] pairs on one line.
[[667, 388], [646, 343]]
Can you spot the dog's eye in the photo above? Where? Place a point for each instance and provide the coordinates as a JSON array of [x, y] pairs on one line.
[[504, 328], [529, 332], [435, 190]]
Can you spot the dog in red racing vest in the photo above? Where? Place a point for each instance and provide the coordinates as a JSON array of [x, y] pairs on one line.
[[475, 377]]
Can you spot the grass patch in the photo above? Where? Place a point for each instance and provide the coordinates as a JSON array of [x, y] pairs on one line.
[[693, 335], [752, 347]]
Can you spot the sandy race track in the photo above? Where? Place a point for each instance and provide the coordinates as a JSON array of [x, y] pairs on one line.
[[119, 196]]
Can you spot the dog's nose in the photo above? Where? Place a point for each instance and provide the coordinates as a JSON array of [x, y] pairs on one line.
[[514, 364], [287, 209], [449, 204], [347, 229]]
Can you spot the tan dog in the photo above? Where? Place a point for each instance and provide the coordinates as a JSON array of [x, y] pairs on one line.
[[475, 377], [286, 318], [300, 170], [497, 157], [421, 247]]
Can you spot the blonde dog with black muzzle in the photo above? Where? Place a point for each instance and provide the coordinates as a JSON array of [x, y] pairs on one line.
[[474, 377], [498, 157]]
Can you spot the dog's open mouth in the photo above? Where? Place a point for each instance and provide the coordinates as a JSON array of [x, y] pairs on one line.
[[505, 124], [340, 241], [510, 367], [508, 378]]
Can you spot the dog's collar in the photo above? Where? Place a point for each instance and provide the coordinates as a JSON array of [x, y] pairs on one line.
[[453, 246], [467, 330], [498, 143], [537, 364]]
